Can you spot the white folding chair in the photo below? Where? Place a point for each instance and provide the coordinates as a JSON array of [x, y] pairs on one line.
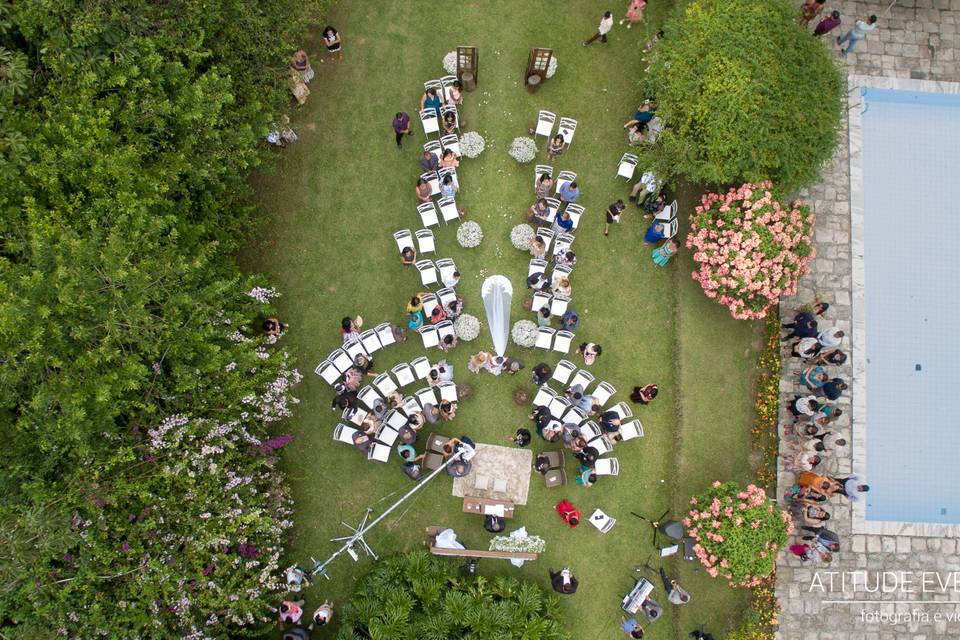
[[448, 391], [428, 214], [559, 305], [563, 371], [328, 372], [603, 393], [429, 302], [447, 267], [600, 444], [446, 296], [428, 272], [631, 430], [563, 178], [429, 335], [590, 430], [448, 209], [574, 415], [622, 409], [379, 452], [434, 147], [411, 406], [538, 171], [385, 333], [537, 265], [562, 341], [395, 419], [355, 349], [430, 122], [433, 84], [553, 206], [563, 243], [544, 395], [668, 213], [354, 416], [444, 110], [432, 179], [445, 329], [452, 142], [370, 341], [384, 384], [546, 235], [671, 229], [545, 122], [421, 367], [568, 126], [607, 467], [447, 82], [343, 433], [386, 434], [404, 239], [544, 338], [560, 270], [583, 378], [449, 171], [576, 212], [369, 396], [404, 374], [628, 164], [540, 300], [425, 241], [601, 521], [426, 396], [340, 360], [558, 406]]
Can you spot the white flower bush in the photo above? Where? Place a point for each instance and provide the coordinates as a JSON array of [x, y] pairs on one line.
[[521, 236], [467, 327], [450, 63], [524, 333], [469, 234], [472, 144], [552, 67], [523, 149], [528, 544]]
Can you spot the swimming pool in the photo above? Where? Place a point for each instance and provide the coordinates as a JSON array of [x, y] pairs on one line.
[[909, 234]]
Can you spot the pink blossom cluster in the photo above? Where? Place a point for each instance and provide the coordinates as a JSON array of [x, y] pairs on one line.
[[724, 515], [751, 250]]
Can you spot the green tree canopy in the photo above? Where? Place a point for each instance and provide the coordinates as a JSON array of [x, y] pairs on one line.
[[420, 597], [746, 94]]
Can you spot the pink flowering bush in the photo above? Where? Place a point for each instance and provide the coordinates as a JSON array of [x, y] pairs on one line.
[[738, 532], [751, 250]]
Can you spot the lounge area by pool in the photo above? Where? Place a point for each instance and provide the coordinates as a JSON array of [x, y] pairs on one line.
[[906, 252]]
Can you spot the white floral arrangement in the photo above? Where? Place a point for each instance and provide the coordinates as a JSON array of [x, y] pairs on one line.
[[524, 333], [523, 150], [467, 327], [469, 234], [450, 63], [552, 67], [472, 144], [527, 544], [521, 236]]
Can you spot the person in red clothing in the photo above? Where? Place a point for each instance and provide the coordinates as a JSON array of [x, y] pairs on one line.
[[568, 512]]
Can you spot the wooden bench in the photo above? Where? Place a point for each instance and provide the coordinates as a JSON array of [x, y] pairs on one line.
[[473, 553], [479, 506]]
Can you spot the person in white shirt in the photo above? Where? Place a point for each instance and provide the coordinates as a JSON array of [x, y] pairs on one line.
[[641, 191], [855, 35], [830, 337], [606, 24]]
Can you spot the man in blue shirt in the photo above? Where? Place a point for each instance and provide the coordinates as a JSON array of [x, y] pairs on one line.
[[569, 192]]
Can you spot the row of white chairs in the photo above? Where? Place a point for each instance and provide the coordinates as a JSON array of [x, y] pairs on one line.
[[557, 303], [443, 297], [435, 272], [547, 119], [539, 265], [339, 360], [371, 396], [561, 243], [433, 334], [431, 121], [437, 147], [425, 240], [548, 338], [443, 86], [447, 210], [563, 411]]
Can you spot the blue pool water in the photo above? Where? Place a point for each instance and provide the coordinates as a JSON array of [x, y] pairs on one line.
[[911, 186]]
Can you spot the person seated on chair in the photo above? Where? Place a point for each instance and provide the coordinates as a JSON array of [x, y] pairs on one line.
[[450, 122], [542, 464], [448, 342], [564, 222], [449, 159], [610, 421], [539, 212], [290, 612], [429, 162], [543, 316], [562, 285], [459, 468], [431, 413], [448, 188], [423, 189], [586, 476], [448, 410], [437, 315], [653, 206], [455, 94], [631, 627], [412, 469], [636, 131], [541, 374], [451, 280], [675, 594], [544, 185], [645, 111], [538, 282], [430, 101], [563, 582], [538, 248], [574, 393], [655, 233], [463, 443], [408, 256], [453, 309]]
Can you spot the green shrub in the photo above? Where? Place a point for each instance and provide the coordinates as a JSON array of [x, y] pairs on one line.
[[746, 95]]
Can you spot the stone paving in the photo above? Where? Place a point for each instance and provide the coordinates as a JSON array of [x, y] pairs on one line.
[[919, 39]]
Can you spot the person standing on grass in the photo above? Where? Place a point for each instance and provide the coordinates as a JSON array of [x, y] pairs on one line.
[[858, 33], [612, 215], [333, 42], [634, 12], [606, 24], [401, 127], [828, 24]]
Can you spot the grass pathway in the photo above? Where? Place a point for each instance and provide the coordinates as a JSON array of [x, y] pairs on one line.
[[329, 211]]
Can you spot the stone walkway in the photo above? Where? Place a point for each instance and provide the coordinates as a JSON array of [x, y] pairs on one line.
[[919, 40]]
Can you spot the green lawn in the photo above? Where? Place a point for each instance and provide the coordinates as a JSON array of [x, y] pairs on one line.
[[329, 211]]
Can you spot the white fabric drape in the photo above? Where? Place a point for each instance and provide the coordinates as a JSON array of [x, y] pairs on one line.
[[497, 295]]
